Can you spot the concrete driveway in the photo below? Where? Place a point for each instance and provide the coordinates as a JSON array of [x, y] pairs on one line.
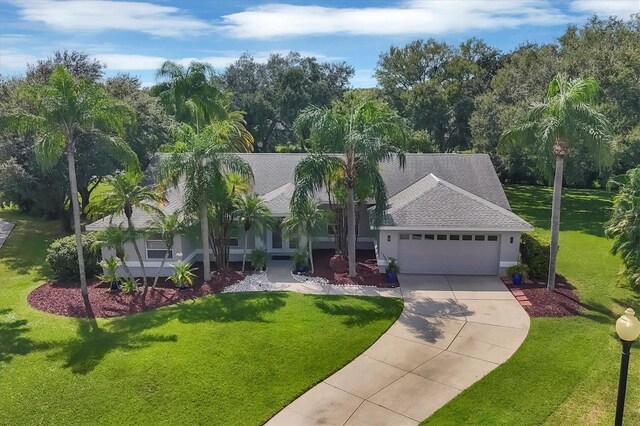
[[452, 332]]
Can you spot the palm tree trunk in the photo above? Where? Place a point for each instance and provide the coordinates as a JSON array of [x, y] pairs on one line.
[[126, 268], [164, 259], [138, 254], [351, 234], [71, 161], [555, 222], [204, 235], [244, 254], [310, 254]]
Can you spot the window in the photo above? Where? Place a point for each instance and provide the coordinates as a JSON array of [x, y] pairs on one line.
[[404, 236], [492, 238], [442, 237], [454, 237], [233, 237], [156, 248], [429, 237], [416, 236], [332, 228], [479, 237], [467, 237]]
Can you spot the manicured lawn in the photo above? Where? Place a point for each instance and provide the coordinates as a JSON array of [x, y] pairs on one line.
[[566, 372], [224, 359]]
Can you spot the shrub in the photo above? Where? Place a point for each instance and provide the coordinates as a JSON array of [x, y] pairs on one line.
[[129, 285], [534, 250], [62, 257], [258, 259]]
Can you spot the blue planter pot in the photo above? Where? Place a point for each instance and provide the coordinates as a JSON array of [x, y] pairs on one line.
[[301, 269], [516, 279], [114, 286], [391, 277]]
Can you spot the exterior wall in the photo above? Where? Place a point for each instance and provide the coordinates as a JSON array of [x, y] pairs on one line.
[[509, 250]]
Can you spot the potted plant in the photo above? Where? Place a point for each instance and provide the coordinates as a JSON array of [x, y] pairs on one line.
[[517, 272], [258, 259], [110, 275], [392, 270], [300, 261], [182, 275]]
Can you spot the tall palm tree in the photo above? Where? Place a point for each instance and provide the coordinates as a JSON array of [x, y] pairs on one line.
[[364, 136], [114, 238], [189, 94], [167, 227], [252, 212], [565, 123], [202, 162], [306, 219], [65, 113], [125, 192]]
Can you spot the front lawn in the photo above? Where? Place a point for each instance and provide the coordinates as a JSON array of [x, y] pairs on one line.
[[223, 359], [566, 372]]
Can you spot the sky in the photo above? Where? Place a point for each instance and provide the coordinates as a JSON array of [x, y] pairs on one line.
[[135, 37]]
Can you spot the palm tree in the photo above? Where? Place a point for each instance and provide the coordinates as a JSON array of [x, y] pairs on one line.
[[202, 162], [306, 218], [124, 192], [364, 136], [624, 224], [189, 95], [67, 112], [167, 227], [114, 238], [252, 212], [565, 123]]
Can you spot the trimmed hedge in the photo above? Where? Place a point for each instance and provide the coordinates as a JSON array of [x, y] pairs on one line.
[[534, 251], [62, 257]]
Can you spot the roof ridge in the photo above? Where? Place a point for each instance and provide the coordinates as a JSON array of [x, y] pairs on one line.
[[397, 207], [283, 189]]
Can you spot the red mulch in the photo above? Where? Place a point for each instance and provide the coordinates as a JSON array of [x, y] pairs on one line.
[[563, 301], [366, 269], [62, 298]]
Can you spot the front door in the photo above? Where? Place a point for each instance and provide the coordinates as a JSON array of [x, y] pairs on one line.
[[278, 241]]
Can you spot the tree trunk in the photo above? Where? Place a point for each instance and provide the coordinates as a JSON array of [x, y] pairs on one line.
[[76, 218], [138, 254], [555, 222], [204, 234], [351, 234], [126, 268], [310, 254], [164, 259], [244, 254]]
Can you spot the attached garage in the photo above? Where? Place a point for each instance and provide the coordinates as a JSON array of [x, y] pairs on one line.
[[446, 253]]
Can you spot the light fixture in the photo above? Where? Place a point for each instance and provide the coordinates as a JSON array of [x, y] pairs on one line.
[[628, 329]]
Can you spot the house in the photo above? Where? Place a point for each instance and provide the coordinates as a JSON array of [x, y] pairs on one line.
[[447, 214]]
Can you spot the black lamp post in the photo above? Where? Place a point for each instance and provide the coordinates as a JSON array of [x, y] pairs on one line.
[[628, 329]]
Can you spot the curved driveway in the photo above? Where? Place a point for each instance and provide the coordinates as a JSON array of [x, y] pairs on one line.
[[452, 332]]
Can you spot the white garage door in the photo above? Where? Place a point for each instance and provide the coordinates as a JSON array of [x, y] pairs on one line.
[[477, 254]]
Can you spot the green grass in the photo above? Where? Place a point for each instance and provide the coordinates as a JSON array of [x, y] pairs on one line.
[[224, 359], [566, 372]]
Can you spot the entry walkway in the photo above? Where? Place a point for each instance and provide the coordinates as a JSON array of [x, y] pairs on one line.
[[5, 230], [452, 332]]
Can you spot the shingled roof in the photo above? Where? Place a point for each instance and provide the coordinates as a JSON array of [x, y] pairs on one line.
[[274, 177], [435, 204]]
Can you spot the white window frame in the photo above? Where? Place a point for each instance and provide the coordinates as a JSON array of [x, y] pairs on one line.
[[234, 234], [157, 240]]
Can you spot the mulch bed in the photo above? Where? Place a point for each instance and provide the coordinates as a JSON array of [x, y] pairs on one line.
[[563, 301], [62, 298], [366, 269]]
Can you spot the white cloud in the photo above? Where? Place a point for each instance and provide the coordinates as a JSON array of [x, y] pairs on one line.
[[101, 15], [620, 8], [14, 60], [409, 17]]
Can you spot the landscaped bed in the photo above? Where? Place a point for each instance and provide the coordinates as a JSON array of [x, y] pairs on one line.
[[63, 298], [563, 301], [366, 269]]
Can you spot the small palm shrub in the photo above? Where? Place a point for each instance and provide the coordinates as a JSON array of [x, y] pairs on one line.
[[129, 285], [182, 274], [258, 259], [110, 267], [534, 252], [62, 257], [300, 258]]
